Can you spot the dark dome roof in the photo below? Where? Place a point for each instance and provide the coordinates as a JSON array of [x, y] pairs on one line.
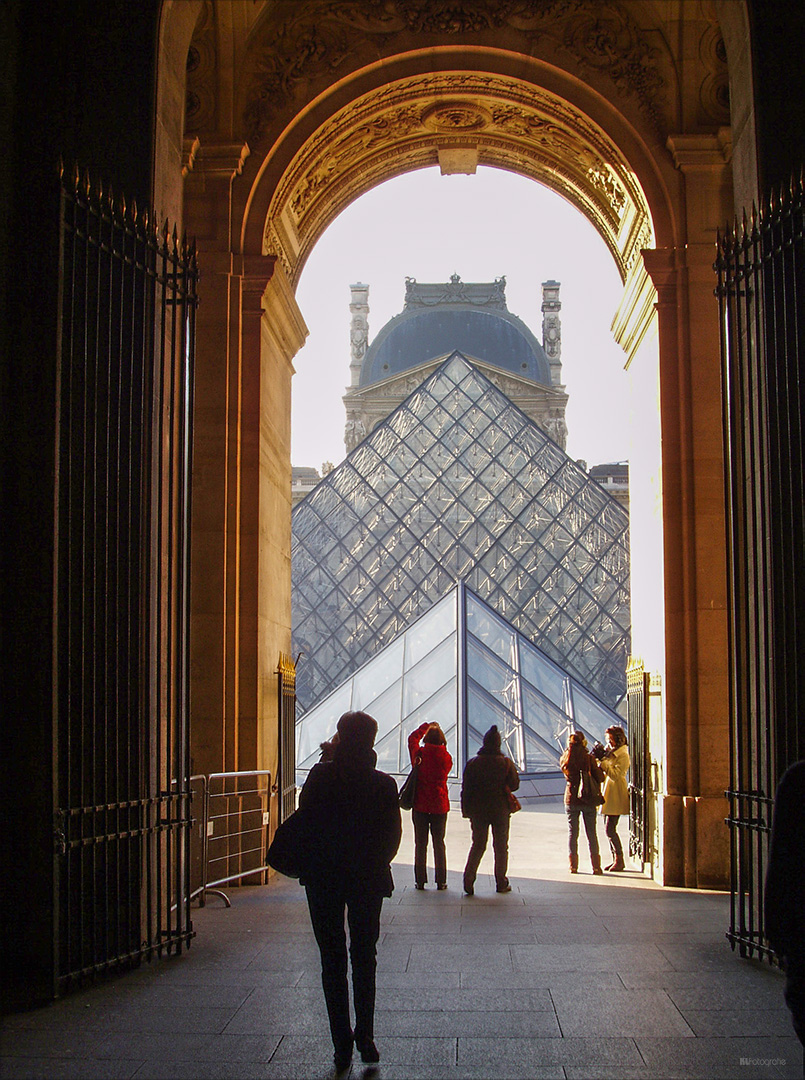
[[418, 335]]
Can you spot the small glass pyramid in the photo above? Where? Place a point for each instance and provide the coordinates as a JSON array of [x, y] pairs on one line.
[[463, 666], [457, 484]]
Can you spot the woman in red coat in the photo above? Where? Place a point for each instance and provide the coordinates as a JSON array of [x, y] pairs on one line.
[[428, 748]]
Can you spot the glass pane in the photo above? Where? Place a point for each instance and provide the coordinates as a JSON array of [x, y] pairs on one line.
[[373, 679], [483, 712], [550, 723], [541, 673], [441, 709], [386, 709], [430, 630], [491, 631], [389, 758], [429, 675], [538, 756], [496, 677], [590, 715], [320, 723]]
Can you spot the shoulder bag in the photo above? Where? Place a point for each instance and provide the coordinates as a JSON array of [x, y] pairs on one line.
[[408, 790], [291, 851], [590, 789]]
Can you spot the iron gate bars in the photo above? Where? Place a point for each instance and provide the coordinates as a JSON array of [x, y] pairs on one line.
[[637, 705], [760, 289], [286, 689], [124, 402]]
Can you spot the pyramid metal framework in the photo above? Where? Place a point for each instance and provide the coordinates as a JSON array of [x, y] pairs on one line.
[[457, 484], [464, 667]]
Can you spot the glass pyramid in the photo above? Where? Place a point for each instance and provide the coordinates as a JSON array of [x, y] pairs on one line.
[[465, 667], [457, 484]]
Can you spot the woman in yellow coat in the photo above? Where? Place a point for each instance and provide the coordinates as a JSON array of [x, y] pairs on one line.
[[615, 763]]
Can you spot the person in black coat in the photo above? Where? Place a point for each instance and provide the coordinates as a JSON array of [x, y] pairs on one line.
[[485, 801], [358, 825], [784, 899]]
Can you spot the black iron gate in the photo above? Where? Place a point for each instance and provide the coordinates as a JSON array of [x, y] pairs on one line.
[[761, 285], [122, 799], [286, 774], [637, 705]]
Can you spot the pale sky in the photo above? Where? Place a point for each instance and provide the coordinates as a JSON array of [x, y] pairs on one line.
[[481, 227]]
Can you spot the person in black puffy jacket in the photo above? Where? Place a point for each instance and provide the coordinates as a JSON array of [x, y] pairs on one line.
[[356, 816], [485, 801]]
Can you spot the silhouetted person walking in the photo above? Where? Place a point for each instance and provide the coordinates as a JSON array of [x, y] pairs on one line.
[[485, 801], [784, 905], [356, 815]]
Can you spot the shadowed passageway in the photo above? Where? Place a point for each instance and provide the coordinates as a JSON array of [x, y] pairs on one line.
[[582, 977]]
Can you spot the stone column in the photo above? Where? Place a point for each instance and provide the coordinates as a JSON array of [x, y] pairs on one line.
[[695, 839], [241, 478]]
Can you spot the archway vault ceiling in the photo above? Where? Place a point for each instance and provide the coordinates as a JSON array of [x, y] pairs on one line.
[[502, 122]]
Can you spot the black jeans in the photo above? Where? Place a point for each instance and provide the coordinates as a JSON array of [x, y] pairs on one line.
[[435, 824], [500, 846], [327, 904], [611, 829]]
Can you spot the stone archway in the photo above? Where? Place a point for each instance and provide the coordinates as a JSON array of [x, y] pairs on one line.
[[316, 104]]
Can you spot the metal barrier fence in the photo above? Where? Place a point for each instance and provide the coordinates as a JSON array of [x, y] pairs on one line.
[[230, 830]]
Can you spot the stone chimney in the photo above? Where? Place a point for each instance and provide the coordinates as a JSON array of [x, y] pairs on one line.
[[552, 329]]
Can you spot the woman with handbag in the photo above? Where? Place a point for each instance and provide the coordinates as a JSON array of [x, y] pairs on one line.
[[615, 762], [351, 810], [486, 799], [432, 761], [582, 798]]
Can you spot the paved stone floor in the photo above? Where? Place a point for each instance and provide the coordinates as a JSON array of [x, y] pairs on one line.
[[565, 977]]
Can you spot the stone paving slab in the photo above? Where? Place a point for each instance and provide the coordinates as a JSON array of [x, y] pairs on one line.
[[565, 978]]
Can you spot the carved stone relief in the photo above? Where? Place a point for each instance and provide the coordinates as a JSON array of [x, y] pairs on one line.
[[201, 74], [401, 126], [320, 38]]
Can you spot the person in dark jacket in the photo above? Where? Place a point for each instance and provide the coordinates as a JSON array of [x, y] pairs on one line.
[[784, 898], [575, 762], [356, 816], [488, 777], [428, 749]]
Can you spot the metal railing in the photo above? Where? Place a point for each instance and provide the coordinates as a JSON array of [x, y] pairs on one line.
[[231, 831]]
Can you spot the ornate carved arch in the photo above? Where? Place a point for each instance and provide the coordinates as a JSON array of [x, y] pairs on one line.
[[478, 118]]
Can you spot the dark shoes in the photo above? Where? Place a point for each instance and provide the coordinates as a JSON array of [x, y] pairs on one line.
[[504, 888], [617, 866], [342, 1057], [368, 1051], [442, 887], [418, 886], [468, 890]]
